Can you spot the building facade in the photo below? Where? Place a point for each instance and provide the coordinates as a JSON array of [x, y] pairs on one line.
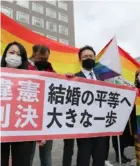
[[53, 19]]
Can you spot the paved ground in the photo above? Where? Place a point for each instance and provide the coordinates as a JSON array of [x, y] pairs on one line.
[[58, 150]]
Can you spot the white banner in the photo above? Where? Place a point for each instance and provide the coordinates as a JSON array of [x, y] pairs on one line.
[[51, 106]]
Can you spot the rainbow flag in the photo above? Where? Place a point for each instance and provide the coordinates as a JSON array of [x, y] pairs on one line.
[[63, 58], [128, 64], [108, 64]]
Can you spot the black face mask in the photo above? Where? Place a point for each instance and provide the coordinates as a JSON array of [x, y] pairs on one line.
[[88, 63], [41, 65]]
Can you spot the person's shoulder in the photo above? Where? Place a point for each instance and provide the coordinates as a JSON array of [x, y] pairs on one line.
[[31, 65], [78, 73], [30, 62], [50, 68]]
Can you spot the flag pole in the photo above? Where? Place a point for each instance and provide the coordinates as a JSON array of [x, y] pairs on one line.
[[119, 150]]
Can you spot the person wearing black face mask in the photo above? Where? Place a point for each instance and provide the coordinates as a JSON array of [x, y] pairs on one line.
[[39, 61], [87, 147], [88, 63]]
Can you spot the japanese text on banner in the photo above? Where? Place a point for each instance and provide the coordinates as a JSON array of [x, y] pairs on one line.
[[50, 106]]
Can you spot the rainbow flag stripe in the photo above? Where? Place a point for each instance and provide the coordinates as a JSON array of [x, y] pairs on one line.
[[105, 72]]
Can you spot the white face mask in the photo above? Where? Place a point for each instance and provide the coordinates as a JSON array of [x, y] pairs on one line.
[[13, 60]]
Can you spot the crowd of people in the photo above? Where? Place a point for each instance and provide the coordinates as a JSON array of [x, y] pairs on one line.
[[97, 149]]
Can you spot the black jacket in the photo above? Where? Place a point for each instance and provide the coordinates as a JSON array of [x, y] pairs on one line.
[[81, 74]]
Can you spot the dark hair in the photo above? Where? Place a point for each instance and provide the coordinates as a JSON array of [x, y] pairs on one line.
[[85, 48], [23, 55], [41, 48], [137, 84]]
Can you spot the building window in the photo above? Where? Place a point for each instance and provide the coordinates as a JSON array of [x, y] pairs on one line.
[[52, 37], [24, 4], [64, 41], [51, 26], [63, 30], [52, 2], [36, 7], [22, 17], [38, 22], [62, 5], [7, 11], [51, 13], [63, 17], [39, 33]]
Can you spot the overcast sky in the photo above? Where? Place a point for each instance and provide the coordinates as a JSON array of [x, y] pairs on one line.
[[96, 22]]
